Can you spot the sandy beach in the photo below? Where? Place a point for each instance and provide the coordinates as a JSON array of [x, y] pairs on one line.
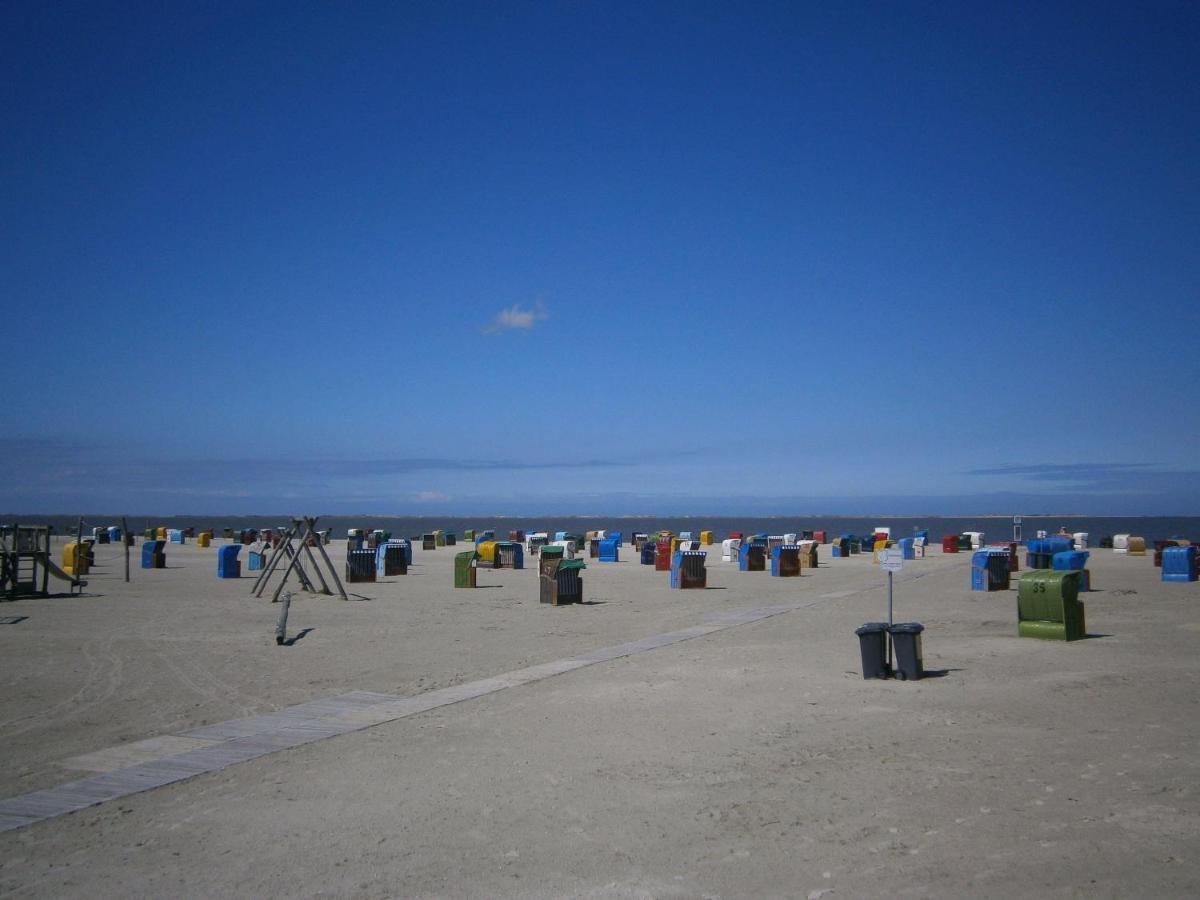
[[741, 759]]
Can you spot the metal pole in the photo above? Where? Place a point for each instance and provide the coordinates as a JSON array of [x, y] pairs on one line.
[[125, 541], [889, 643]]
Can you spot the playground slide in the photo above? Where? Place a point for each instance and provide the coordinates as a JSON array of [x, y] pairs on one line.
[[60, 574]]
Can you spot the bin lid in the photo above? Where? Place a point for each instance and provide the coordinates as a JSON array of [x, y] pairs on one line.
[[871, 628], [907, 628]]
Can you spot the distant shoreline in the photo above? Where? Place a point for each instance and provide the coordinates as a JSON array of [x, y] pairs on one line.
[[746, 516], [9, 517]]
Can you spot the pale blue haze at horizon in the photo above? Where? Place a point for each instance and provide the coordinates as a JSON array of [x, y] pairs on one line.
[[885, 248]]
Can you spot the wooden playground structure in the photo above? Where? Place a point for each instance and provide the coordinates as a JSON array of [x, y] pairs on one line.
[[304, 530], [26, 565]]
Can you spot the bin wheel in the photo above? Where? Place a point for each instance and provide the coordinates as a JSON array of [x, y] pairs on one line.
[[901, 676]]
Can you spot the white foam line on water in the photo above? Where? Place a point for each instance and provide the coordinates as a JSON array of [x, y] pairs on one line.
[[240, 740]]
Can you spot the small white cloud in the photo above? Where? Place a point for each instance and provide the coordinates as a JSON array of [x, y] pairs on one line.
[[517, 316], [430, 496]]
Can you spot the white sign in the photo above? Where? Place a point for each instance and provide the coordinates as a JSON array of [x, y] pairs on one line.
[[892, 559]]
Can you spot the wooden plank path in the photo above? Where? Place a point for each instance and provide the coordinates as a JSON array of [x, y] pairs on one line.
[[215, 747]]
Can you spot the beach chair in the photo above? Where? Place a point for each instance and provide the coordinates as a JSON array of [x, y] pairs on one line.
[[663, 551], [487, 554], [808, 554], [687, 570], [1178, 563], [550, 554], [153, 556], [390, 560], [785, 561], [360, 565], [228, 564], [508, 555], [1048, 606], [1074, 561], [752, 557], [560, 582], [464, 569], [989, 570]]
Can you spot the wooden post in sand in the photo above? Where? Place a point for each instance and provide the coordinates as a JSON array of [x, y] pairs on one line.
[[281, 626], [78, 550]]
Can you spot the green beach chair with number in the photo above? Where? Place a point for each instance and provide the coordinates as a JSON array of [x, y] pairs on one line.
[[1048, 605]]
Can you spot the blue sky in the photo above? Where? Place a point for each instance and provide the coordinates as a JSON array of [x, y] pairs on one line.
[[600, 257]]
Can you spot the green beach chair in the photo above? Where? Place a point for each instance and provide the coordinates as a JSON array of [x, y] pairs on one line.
[[1048, 605]]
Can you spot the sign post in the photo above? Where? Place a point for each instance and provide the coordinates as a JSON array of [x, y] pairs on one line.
[[891, 560]]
